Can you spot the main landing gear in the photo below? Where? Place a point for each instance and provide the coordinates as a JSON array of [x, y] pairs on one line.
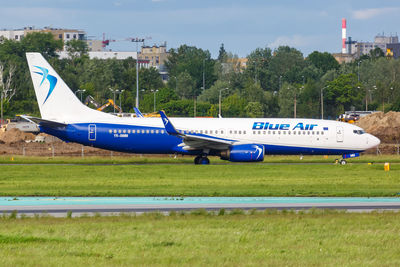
[[203, 160]]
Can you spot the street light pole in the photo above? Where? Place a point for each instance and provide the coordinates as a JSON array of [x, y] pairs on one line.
[[322, 101], [219, 106], [155, 91], [81, 91], [295, 103], [137, 41], [113, 91], [358, 71], [120, 96], [204, 77]]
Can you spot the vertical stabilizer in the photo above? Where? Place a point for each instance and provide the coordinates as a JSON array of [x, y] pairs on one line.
[[55, 99]]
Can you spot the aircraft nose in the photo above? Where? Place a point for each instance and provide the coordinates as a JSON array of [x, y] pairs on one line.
[[373, 141]]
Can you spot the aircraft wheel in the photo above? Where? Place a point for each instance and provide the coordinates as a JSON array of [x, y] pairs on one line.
[[343, 162], [197, 160], [204, 161]]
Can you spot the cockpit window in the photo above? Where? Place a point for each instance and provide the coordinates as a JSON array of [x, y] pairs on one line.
[[358, 132]]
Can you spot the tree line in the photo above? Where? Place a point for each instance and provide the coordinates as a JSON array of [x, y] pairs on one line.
[[274, 83]]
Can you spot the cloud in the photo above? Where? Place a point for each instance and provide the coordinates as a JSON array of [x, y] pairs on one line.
[[293, 41], [373, 12]]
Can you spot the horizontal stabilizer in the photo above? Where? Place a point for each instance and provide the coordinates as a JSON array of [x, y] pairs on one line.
[[42, 122]]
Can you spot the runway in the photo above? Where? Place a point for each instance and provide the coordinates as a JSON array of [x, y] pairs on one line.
[[60, 206]]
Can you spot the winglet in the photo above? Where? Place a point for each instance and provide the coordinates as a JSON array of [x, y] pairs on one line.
[[168, 125], [138, 113]]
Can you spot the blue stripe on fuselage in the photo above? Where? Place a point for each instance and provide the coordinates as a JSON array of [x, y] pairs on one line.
[[157, 143]]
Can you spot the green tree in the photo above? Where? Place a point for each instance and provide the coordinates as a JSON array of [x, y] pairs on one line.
[[185, 86], [222, 55], [258, 67], [234, 106], [324, 61], [76, 48], [43, 43], [343, 93], [254, 110], [286, 65], [193, 61]]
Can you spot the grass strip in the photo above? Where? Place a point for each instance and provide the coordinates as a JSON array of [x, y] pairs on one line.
[[194, 180], [318, 238]]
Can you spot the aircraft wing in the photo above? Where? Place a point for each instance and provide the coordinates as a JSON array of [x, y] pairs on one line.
[[195, 142], [42, 122]]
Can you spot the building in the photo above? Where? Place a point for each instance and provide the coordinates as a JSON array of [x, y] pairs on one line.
[[380, 41], [12, 34], [59, 34], [157, 55], [95, 45]]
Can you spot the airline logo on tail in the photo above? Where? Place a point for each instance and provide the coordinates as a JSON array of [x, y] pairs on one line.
[[46, 76]]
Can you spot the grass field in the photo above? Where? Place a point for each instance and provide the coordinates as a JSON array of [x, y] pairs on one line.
[[148, 159], [316, 239], [108, 179]]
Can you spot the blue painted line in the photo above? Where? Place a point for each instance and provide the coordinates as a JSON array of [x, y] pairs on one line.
[[49, 201]]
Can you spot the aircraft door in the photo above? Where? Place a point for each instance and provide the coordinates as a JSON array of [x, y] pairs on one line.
[[339, 134], [92, 132]]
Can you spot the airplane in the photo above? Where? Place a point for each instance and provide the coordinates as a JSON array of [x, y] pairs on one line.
[[233, 139]]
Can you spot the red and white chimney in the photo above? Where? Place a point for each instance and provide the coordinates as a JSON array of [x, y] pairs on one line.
[[344, 49]]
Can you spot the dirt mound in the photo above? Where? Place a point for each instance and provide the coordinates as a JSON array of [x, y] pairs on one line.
[[14, 136], [385, 126]]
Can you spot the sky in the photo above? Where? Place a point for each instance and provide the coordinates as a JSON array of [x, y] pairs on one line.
[[241, 25]]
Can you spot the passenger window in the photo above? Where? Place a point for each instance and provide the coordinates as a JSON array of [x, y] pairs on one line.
[[211, 131], [235, 132], [129, 131], [284, 132], [206, 132], [244, 132], [157, 131], [147, 131], [322, 133], [152, 131], [142, 131], [279, 132], [162, 131], [124, 131], [110, 131], [240, 132], [119, 131], [222, 132]]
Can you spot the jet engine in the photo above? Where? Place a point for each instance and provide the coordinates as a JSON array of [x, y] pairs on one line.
[[244, 153]]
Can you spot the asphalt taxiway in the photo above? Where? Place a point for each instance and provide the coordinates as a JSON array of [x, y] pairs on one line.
[[60, 206]]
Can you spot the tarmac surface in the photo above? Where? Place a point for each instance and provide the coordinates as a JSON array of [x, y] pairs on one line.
[[60, 206]]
